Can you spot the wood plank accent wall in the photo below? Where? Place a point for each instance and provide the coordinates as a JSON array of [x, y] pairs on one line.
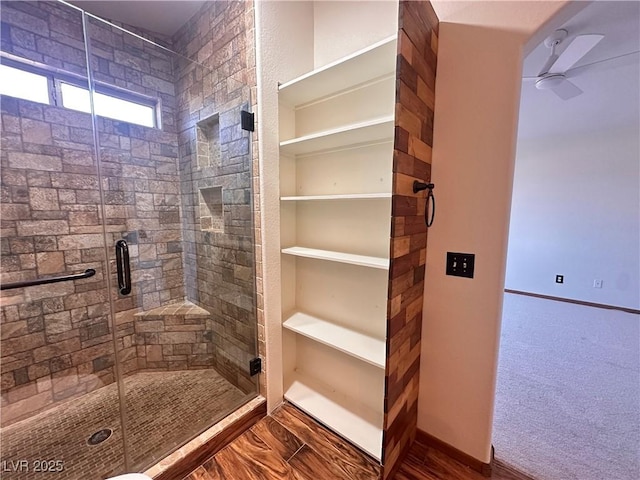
[[415, 89]]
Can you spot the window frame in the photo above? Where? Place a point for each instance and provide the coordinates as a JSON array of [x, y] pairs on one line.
[[56, 77]]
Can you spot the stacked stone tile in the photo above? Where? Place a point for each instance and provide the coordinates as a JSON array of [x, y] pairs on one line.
[[220, 266]]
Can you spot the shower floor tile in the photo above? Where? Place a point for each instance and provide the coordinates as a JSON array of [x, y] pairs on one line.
[[160, 407]]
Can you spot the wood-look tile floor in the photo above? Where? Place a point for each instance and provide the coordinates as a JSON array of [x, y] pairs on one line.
[[290, 445]]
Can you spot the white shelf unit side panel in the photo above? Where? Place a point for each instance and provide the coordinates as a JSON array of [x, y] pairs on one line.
[[288, 175], [359, 424], [288, 216], [288, 283], [349, 196], [375, 61], [286, 122], [350, 258], [374, 131], [368, 349]]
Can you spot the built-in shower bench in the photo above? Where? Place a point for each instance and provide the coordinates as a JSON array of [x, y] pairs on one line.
[[183, 308], [177, 336]]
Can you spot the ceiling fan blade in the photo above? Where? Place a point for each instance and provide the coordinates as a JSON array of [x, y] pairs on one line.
[[578, 48], [548, 64], [617, 61], [566, 90]]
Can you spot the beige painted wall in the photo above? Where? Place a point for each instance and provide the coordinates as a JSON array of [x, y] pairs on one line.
[[343, 27], [477, 97]]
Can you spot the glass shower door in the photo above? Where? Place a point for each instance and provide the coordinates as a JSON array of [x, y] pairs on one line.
[[177, 190], [107, 372], [60, 404]]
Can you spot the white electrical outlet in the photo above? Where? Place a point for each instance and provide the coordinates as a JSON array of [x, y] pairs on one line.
[[597, 283]]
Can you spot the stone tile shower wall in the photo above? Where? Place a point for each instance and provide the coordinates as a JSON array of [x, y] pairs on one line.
[[216, 167], [56, 339], [139, 167]]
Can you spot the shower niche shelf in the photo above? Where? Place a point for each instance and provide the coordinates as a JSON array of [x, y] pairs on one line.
[[336, 155], [211, 210], [208, 141]]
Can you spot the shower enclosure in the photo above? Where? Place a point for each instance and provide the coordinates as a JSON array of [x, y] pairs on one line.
[[123, 160]]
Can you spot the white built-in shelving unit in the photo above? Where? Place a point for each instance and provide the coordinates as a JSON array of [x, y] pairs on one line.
[[336, 154]]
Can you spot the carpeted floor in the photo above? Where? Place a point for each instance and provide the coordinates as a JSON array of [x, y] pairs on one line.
[[163, 411], [568, 394]]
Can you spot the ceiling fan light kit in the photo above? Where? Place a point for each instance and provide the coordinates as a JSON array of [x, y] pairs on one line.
[[553, 74], [550, 82]]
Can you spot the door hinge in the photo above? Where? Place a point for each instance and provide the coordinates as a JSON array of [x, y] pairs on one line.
[[255, 366], [247, 121]]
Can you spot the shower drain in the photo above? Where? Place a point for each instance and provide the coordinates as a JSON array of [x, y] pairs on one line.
[[100, 436]]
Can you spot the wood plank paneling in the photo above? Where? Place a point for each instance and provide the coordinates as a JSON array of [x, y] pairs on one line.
[[415, 94]]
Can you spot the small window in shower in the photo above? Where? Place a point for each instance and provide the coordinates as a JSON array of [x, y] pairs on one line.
[[211, 211], [77, 98], [22, 84], [40, 83], [208, 138]]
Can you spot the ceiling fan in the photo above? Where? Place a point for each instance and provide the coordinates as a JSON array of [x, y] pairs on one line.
[[553, 75]]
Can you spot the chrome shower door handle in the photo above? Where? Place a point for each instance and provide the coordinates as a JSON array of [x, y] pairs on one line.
[[123, 267]]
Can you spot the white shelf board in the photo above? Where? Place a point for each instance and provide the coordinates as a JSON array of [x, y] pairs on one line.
[[347, 196], [359, 424], [362, 260], [370, 63], [378, 130], [363, 347]]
